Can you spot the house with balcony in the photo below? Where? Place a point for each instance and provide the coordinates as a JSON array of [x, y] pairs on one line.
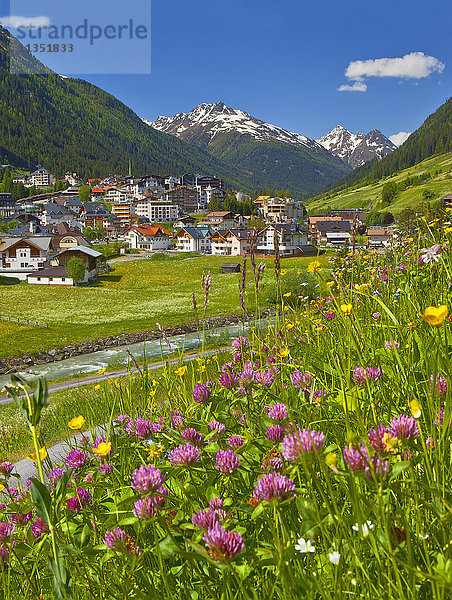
[[148, 237], [230, 242], [157, 211], [21, 256], [194, 239], [292, 238], [333, 233], [379, 237], [56, 274]]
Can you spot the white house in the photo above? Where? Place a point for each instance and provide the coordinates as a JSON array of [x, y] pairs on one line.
[[117, 195], [157, 211], [291, 238], [194, 239], [50, 276], [41, 178], [20, 256], [148, 237], [232, 242]]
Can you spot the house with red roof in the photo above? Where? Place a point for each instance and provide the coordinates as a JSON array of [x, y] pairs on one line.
[[147, 237]]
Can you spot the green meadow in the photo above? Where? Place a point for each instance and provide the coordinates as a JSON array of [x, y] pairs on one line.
[[134, 296]]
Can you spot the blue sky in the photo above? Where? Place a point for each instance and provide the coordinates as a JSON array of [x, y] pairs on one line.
[[284, 61]]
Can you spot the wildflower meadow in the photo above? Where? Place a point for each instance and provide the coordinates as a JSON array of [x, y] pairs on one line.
[[312, 461]]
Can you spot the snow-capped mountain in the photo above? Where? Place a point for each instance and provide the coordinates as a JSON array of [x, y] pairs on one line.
[[275, 157], [356, 148], [206, 121]]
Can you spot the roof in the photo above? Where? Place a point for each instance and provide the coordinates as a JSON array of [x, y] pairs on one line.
[[286, 228], [83, 249], [317, 218], [50, 272], [219, 214], [379, 231], [196, 232], [56, 209], [39, 242], [344, 226], [150, 230]]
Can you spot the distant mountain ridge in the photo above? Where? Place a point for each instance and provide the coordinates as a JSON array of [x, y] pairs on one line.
[[355, 149], [273, 156]]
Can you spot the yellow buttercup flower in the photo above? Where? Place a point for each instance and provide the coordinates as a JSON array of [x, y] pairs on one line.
[[435, 316], [299, 272], [77, 422], [315, 266], [283, 353], [289, 325], [284, 272], [155, 450], [448, 230], [102, 449], [330, 283], [391, 443], [42, 455], [346, 309], [2, 487], [415, 408], [97, 387], [102, 371], [181, 370], [287, 295]]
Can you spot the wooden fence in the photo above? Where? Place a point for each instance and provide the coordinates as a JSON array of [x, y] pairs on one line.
[[22, 321]]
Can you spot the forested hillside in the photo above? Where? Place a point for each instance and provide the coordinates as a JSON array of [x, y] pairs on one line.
[[71, 124]]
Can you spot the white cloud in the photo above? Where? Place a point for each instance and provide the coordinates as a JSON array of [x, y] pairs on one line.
[[411, 66], [415, 65], [16, 21], [399, 138], [357, 86]]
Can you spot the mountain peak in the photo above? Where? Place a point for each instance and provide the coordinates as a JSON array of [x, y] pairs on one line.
[[356, 149], [208, 120]]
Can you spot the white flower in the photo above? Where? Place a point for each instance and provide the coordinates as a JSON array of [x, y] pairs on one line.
[[364, 528], [334, 557], [304, 546], [432, 254]]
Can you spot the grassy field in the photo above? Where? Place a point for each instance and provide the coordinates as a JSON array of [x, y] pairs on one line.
[[134, 296], [440, 184]]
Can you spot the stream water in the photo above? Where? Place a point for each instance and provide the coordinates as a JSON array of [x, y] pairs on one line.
[[119, 357]]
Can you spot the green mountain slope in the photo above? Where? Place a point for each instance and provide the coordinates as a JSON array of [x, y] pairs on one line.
[[432, 175], [276, 164], [70, 124], [434, 136]]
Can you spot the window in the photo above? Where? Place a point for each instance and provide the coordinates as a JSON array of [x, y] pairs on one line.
[[39, 279], [50, 278]]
